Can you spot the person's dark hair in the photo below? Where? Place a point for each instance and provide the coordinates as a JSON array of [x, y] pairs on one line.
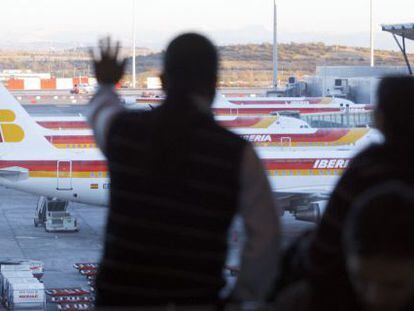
[[395, 107], [381, 222], [191, 65]]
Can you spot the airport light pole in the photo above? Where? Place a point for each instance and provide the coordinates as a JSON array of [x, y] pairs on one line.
[[372, 33], [275, 50], [134, 35]]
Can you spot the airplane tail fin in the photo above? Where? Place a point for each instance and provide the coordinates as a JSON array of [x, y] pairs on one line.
[[18, 131]]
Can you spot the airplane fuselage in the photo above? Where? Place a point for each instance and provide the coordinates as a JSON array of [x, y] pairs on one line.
[[83, 177]]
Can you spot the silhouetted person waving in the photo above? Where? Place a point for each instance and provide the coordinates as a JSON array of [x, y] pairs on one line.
[[178, 180]]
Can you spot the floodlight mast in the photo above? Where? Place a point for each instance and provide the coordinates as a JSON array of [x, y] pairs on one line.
[[275, 48], [372, 38], [134, 35]]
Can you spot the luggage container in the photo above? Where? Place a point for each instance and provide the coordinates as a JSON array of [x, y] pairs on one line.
[[15, 279], [35, 266], [12, 274], [7, 268], [25, 295]]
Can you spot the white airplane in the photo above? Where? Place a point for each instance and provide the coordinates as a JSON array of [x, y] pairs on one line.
[[276, 131], [269, 105], [305, 106], [305, 101], [29, 162], [269, 122]]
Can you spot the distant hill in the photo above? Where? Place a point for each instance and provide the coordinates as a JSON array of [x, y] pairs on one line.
[[251, 64], [241, 65]]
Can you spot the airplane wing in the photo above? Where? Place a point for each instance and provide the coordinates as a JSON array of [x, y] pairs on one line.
[[14, 173]]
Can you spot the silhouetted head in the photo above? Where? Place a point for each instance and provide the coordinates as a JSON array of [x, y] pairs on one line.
[[190, 67], [379, 247], [394, 114]]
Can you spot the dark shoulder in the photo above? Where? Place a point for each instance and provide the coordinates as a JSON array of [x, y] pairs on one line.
[[228, 135], [127, 120], [374, 153], [366, 169]]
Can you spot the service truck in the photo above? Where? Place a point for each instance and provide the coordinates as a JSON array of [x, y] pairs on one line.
[[52, 214]]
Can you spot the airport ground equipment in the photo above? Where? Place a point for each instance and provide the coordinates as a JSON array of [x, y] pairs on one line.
[[36, 267], [5, 275], [24, 294], [76, 307], [87, 266], [62, 292], [89, 270], [6, 269], [19, 289], [71, 299], [53, 215]]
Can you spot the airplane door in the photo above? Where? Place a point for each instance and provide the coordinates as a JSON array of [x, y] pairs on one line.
[[286, 142], [64, 175]]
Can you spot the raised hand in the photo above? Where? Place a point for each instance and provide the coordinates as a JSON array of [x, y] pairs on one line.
[[109, 69]]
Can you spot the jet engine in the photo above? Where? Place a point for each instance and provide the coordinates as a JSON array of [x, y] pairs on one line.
[[312, 212]]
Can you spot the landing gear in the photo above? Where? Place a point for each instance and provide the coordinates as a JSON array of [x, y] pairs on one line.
[[53, 215]]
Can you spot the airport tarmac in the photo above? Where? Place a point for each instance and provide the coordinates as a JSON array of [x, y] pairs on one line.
[[59, 251]]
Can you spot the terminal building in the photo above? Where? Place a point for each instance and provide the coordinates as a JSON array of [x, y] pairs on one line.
[[359, 83]]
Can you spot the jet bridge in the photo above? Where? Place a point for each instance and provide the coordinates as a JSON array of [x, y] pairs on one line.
[[405, 31]]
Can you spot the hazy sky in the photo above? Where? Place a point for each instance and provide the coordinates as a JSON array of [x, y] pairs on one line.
[[225, 21]]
